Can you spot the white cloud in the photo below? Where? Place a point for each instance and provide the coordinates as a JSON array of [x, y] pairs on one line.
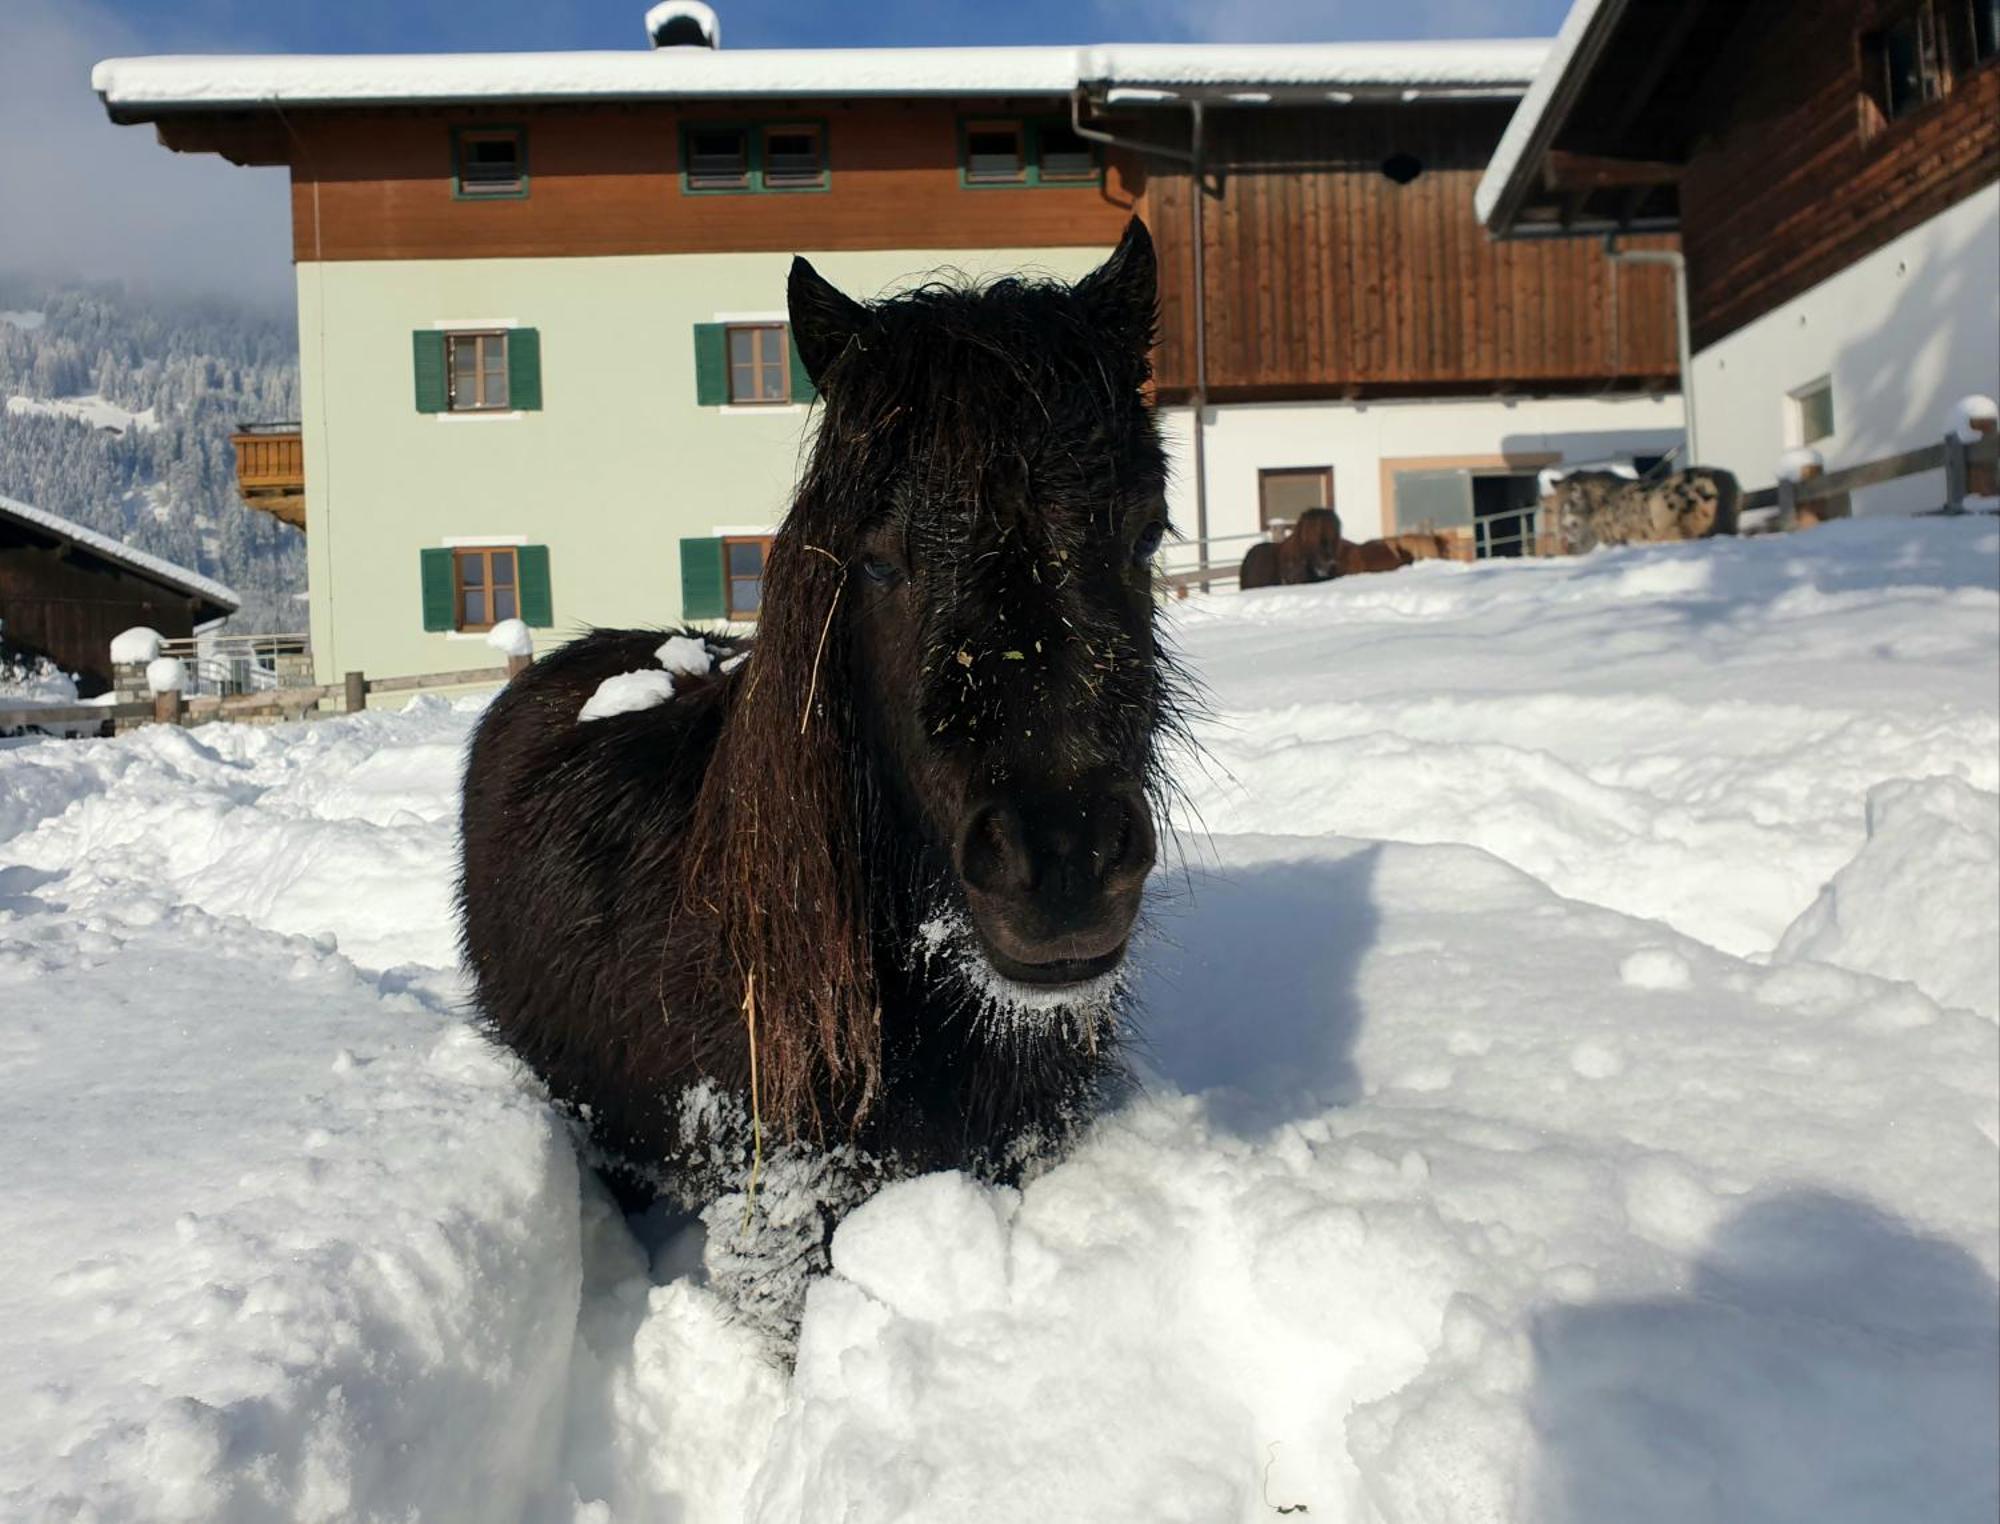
[[79, 196]]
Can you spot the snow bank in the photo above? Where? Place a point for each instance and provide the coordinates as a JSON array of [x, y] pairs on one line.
[[511, 637], [1903, 907], [1477, 1174], [279, 1243], [1444, 1225], [136, 645], [627, 693]]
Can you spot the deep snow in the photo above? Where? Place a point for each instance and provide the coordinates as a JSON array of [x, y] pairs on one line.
[[1571, 1096]]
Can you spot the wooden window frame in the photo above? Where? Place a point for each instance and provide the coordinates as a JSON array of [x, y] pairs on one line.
[[1264, 475], [756, 179], [757, 365], [813, 130], [1797, 400], [481, 336], [461, 136], [485, 555], [729, 609], [1938, 74], [1028, 131]]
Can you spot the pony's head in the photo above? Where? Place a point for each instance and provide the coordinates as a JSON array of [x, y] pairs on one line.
[[956, 646], [1318, 534]]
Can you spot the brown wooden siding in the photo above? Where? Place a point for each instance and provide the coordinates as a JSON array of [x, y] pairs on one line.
[[62, 602], [1324, 276], [605, 179], [1788, 190]]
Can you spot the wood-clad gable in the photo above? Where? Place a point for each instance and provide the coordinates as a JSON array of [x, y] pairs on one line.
[[1794, 179], [1762, 132], [607, 179], [1328, 275]]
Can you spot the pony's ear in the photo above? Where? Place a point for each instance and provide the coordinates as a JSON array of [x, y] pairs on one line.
[[823, 320], [1123, 293]]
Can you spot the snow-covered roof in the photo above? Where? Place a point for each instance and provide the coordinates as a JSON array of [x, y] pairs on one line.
[[1535, 121], [135, 88], [125, 555]]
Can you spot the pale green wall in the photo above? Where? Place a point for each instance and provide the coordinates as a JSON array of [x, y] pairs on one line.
[[614, 470]]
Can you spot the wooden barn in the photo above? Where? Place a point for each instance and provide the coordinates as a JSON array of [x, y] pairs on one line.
[[66, 591]]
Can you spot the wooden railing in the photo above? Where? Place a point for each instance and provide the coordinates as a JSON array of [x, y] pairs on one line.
[[1951, 455], [271, 470]]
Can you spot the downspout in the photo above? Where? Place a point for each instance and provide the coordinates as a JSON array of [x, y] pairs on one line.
[[1192, 157], [1678, 262], [1200, 189]]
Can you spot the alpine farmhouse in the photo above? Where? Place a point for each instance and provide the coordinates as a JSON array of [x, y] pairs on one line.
[[1833, 170], [545, 368]]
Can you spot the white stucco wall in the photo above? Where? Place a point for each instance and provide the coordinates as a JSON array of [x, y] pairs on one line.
[[1903, 333], [618, 465], [1355, 438]]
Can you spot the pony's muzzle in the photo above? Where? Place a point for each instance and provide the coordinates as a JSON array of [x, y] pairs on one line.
[[1053, 877]]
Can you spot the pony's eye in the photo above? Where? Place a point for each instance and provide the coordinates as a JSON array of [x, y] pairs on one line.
[[881, 572], [1148, 544]]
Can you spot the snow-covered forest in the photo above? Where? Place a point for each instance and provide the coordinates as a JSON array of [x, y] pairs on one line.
[[1570, 1075], [116, 407]]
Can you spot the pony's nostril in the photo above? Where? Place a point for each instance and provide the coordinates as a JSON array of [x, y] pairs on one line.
[[992, 856]]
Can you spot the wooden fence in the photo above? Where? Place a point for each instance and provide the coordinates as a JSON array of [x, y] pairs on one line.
[[1959, 461], [303, 703]]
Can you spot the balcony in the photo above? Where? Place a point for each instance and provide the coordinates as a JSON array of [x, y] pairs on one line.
[[271, 470]]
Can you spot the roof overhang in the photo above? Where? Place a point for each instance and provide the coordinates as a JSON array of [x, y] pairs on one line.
[[150, 89], [1599, 142], [206, 593]]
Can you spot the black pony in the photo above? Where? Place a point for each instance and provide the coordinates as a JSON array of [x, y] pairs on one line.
[[869, 889]]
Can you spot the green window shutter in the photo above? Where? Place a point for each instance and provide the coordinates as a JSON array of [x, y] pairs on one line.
[[524, 369], [531, 564], [428, 345], [711, 364], [802, 384], [701, 580], [440, 603]]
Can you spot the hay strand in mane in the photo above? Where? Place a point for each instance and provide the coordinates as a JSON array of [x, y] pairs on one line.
[[774, 858]]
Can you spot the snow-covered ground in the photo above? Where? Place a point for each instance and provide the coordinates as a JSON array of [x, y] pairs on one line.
[[91, 409], [1572, 1073]]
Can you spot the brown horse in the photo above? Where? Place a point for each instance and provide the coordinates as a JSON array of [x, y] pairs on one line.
[[1308, 554]]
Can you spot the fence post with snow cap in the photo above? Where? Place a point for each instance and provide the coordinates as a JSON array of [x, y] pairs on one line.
[[1796, 467], [165, 678], [1967, 475]]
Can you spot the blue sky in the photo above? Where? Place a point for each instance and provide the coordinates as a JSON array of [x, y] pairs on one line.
[[81, 197], [424, 25]]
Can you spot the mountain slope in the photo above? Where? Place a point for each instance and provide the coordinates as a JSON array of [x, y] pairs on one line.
[[118, 407]]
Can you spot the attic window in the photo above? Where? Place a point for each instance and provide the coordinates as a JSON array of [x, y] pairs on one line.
[[995, 153], [1063, 155], [718, 158], [1402, 167], [794, 157], [491, 162]]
